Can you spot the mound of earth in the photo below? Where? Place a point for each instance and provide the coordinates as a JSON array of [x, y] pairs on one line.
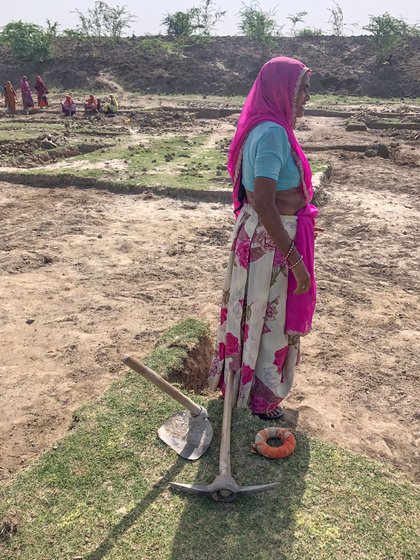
[[37, 151], [223, 66]]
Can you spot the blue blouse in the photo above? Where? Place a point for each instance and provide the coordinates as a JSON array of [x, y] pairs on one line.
[[267, 153]]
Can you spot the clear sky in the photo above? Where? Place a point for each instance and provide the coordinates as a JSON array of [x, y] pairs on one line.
[[150, 14]]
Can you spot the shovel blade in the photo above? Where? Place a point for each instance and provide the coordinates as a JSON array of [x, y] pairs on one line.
[[188, 435]]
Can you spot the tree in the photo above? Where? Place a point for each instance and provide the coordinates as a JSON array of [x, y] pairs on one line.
[[180, 24], [104, 21], [388, 31], [207, 16], [195, 21], [295, 19], [29, 40], [337, 20], [259, 25]]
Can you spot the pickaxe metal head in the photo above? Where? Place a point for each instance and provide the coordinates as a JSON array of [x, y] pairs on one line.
[[224, 488]]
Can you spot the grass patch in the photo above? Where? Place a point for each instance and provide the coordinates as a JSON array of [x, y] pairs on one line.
[[184, 162], [318, 166], [202, 100], [102, 492], [319, 100], [173, 348], [178, 162], [17, 130]]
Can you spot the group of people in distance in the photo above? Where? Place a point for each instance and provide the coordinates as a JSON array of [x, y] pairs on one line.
[[68, 106], [92, 106], [10, 97]]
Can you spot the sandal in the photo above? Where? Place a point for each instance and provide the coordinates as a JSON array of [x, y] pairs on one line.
[[274, 414]]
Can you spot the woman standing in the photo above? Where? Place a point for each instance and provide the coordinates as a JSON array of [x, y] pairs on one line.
[[269, 291], [10, 98], [42, 91], [25, 90]]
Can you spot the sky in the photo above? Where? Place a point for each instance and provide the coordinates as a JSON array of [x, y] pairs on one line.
[[150, 14]]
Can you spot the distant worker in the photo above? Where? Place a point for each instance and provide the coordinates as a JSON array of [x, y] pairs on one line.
[[10, 98], [42, 91], [91, 106], [27, 99], [111, 107], [68, 106]]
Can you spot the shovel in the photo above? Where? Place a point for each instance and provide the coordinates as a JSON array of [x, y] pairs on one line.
[[224, 487], [187, 433]]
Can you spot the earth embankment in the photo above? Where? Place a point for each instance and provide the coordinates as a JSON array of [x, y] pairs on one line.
[[222, 66]]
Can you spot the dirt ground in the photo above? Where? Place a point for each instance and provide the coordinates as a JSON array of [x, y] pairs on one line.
[[89, 275]]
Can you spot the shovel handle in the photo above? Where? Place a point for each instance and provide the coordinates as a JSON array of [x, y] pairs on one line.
[[163, 385]]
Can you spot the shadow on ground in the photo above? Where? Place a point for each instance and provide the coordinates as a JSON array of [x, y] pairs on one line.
[[134, 516], [257, 527], [251, 527]]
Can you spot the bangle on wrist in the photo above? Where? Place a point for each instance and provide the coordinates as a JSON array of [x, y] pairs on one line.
[[292, 246], [300, 259]]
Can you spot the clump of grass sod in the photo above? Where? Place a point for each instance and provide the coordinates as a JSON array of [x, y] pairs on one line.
[[102, 491]]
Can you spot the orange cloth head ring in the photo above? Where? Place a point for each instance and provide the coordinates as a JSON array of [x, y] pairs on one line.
[[285, 436]]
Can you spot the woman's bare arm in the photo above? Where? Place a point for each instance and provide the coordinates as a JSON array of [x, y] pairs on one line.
[[264, 202]]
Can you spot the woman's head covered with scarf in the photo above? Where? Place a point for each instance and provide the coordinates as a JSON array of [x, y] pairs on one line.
[[273, 97]]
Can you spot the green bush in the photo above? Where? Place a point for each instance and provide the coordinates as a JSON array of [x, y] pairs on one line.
[[180, 24], [28, 40], [259, 25], [309, 32], [295, 19], [155, 46], [388, 31], [195, 21], [103, 21]]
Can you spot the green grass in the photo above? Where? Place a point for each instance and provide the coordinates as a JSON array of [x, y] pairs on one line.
[[175, 98], [102, 492], [318, 166], [18, 130], [326, 100], [173, 347], [212, 100], [177, 162]]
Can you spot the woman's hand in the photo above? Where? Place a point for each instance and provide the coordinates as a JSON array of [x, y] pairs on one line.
[[303, 280], [317, 231]]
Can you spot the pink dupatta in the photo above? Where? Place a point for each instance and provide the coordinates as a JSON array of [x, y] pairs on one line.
[[273, 98], [25, 89]]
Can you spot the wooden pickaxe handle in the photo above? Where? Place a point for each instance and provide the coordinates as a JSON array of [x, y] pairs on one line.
[[163, 385]]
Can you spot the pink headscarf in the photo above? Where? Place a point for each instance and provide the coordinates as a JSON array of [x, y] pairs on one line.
[[272, 98]]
